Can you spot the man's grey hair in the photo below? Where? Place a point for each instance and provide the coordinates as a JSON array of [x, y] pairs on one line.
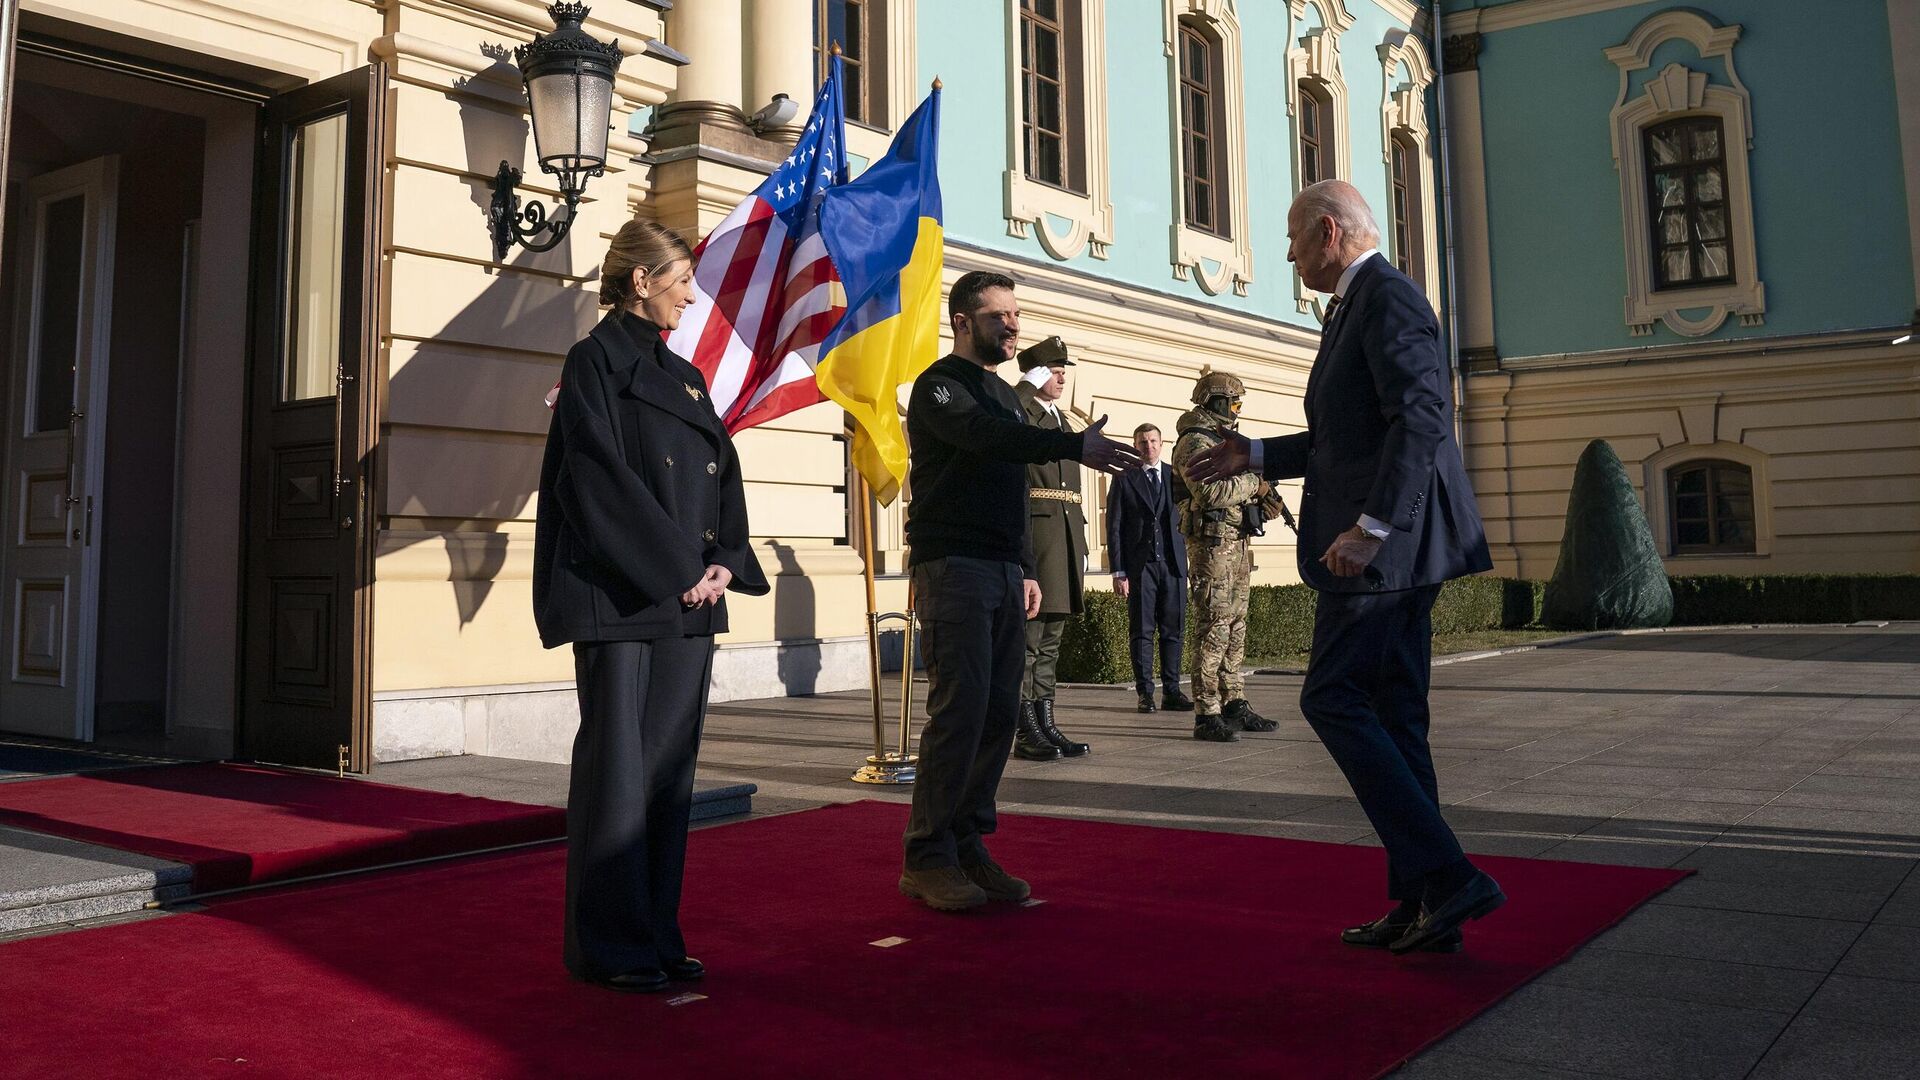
[[1342, 202]]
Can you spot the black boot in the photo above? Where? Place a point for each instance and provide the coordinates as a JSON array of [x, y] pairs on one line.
[[1175, 701], [1208, 727], [1043, 710], [1028, 743], [1241, 715]]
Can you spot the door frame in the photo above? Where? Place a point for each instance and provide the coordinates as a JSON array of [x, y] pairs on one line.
[[98, 181]]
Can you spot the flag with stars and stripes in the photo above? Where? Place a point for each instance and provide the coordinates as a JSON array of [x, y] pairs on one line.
[[765, 293]]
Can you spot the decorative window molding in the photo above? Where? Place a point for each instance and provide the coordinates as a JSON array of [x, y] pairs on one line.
[[897, 22], [1313, 66], [1403, 122], [1066, 222], [1675, 92], [1221, 259], [1662, 467]]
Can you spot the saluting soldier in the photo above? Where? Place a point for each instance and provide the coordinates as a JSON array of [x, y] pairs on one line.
[[1059, 549]]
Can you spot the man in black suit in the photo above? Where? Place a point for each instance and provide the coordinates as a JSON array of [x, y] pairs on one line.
[[1149, 561], [1386, 516]]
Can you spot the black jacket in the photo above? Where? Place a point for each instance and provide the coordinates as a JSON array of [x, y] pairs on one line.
[[1143, 523], [970, 445], [639, 493], [1379, 441]]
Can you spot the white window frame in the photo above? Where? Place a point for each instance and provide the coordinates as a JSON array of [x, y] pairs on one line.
[[1193, 249], [1314, 56], [1030, 205], [1403, 113], [1660, 516], [1679, 91]]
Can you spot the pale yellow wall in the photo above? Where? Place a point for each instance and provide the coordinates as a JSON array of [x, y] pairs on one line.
[[1834, 431]]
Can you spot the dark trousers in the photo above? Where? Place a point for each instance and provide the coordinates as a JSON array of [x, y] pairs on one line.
[[973, 639], [1156, 608], [641, 707], [1366, 697], [1042, 663]]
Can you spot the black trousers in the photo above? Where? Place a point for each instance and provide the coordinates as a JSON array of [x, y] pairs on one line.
[[641, 707], [1366, 697], [973, 638], [1156, 608]]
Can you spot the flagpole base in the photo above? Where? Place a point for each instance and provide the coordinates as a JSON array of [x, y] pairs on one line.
[[888, 768]]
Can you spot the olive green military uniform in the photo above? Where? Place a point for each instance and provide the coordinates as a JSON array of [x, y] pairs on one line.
[[1218, 561], [1059, 529]]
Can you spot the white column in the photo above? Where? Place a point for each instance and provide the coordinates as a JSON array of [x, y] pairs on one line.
[[1473, 266], [780, 59], [710, 33]]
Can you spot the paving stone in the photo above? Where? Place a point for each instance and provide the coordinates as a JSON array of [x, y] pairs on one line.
[[1684, 978], [1824, 1047], [1739, 937], [1885, 951], [1883, 1002], [1740, 857], [1703, 891]]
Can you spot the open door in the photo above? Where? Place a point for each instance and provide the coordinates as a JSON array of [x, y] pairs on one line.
[[49, 555], [312, 426]]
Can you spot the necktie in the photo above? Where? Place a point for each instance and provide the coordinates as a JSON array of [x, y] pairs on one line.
[[1333, 307]]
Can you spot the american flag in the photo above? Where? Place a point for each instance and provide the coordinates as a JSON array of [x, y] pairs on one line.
[[765, 293]]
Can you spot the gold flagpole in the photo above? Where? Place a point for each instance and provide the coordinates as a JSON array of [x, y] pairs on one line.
[[885, 766]]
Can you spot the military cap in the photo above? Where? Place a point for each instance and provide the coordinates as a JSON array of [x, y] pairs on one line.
[[1048, 353]]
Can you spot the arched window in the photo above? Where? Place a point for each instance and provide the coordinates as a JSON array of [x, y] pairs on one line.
[[1206, 100], [1058, 179], [1405, 185], [1051, 93], [1314, 129], [1710, 508], [1203, 131], [1687, 187]]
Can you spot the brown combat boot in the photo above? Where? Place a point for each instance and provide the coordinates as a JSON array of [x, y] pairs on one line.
[[995, 882], [942, 888]]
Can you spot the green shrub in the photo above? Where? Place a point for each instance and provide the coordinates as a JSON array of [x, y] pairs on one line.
[[1094, 646], [1713, 599]]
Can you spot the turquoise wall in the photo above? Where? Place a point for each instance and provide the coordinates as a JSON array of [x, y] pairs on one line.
[[964, 43], [1830, 217]]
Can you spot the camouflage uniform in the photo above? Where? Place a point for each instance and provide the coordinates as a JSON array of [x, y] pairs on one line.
[[1217, 518]]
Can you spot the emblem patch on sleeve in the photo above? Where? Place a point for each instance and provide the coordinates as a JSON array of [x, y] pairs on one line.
[[942, 395]]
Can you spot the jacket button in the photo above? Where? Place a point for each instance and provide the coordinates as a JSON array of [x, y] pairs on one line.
[[669, 461], [709, 535], [712, 467]]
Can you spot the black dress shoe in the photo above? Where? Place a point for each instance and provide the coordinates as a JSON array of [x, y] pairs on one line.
[[1028, 743], [1043, 720], [1384, 931], [648, 980], [1480, 895], [685, 969], [1146, 703], [1176, 701], [1210, 728], [1240, 715]]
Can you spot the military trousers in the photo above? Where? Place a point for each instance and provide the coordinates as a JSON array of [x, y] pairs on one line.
[[1044, 632], [973, 616], [1217, 571]]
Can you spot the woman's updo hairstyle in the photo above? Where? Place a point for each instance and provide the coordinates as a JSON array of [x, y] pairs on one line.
[[639, 245]]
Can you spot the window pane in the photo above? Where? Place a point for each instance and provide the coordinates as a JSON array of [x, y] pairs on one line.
[[1678, 265], [1048, 164], [856, 97], [58, 315], [1691, 482], [1200, 163], [1706, 142], [1309, 116], [1714, 261], [1196, 59], [1673, 227], [1046, 9], [1046, 53], [1046, 106], [1707, 186], [1731, 481], [1200, 114], [1670, 189], [1664, 147], [1691, 533], [316, 204], [1713, 224]]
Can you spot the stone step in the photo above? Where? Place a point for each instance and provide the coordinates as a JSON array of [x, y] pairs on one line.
[[722, 800]]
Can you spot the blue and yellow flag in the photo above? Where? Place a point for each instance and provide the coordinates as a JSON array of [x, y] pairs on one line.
[[884, 235]]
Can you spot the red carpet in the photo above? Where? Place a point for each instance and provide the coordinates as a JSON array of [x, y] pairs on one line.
[[244, 824], [1158, 953]]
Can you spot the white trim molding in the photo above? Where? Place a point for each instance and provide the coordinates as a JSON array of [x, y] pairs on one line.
[[1231, 256], [1313, 56], [1403, 114], [1679, 91], [1031, 205], [1703, 447]]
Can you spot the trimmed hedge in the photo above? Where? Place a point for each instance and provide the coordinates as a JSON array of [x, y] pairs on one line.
[[1280, 617]]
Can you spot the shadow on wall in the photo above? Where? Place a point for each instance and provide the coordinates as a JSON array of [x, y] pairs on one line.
[[793, 617]]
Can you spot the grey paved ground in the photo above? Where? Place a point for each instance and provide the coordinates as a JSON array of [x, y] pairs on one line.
[[1783, 765]]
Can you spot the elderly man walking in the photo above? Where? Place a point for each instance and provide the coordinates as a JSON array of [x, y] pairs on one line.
[[1386, 516]]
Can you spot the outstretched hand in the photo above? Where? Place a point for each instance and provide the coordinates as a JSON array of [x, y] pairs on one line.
[[1229, 457], [1103, 454]]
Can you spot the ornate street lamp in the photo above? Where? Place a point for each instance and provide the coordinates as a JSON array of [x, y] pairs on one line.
[[568, 78]]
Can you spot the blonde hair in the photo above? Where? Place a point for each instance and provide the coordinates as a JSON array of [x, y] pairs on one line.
[[639, 245]]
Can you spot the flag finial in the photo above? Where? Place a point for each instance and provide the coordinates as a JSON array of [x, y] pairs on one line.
[[936, 82], [836, 47]]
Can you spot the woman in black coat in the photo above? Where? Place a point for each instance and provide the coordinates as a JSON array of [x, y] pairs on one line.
[[642, 529]]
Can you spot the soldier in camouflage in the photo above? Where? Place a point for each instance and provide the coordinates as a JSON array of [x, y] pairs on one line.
[[1217, 519]]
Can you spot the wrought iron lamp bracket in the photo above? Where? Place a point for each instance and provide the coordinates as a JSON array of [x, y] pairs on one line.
[[511, 223]]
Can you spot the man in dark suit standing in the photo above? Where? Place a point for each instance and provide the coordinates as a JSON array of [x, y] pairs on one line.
[[1149, 561], [1386, 516]]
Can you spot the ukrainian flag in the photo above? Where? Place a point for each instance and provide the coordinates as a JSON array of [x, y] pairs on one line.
[[884, 235]]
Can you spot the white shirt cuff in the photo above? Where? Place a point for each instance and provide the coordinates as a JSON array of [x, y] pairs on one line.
[[1380, 529], [1256, 455], [1119, 575]]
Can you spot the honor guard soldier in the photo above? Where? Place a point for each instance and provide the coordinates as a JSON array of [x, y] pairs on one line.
[[1059, 531], [1217, 518]]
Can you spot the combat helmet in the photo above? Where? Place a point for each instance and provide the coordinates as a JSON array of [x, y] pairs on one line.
[[1219, 393]]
